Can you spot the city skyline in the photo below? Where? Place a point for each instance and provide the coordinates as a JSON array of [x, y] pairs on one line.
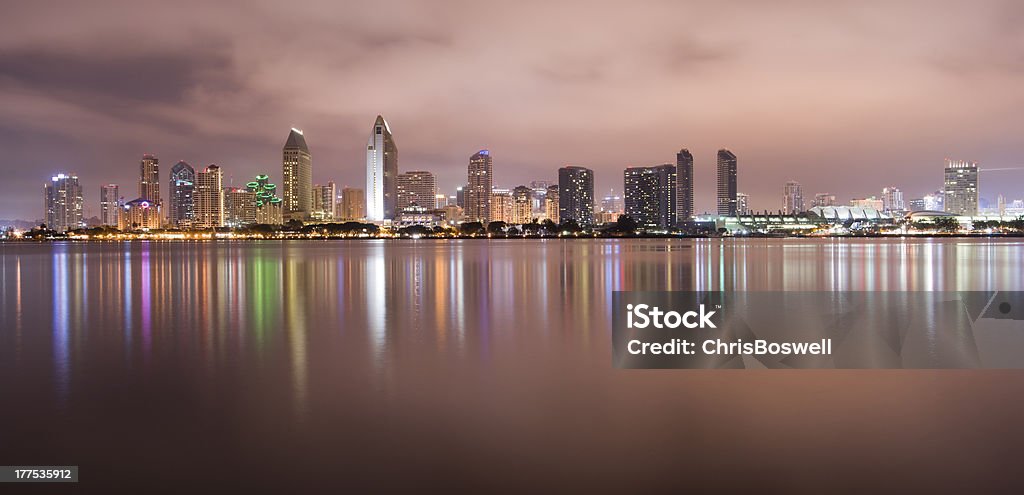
[[876, 94]]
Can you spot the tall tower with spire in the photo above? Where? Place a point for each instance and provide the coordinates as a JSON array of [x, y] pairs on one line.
[[297, 171], [381, 173]]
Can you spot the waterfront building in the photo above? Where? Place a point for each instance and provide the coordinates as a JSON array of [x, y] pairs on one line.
[[792, 198], [480, 182], [269, 209], [522, 205], [576, 195], [960, 187], [297, 171], [417, 187], [63, 202], [353, 204], [181, 204], [110, 205], [551, 204], [650, 195], [239, 207], [727, 183], [381, 173], [684, 185], [501, 206], [139, 214], [209, 198]]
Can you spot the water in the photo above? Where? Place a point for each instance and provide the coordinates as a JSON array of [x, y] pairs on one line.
[[472, 364]]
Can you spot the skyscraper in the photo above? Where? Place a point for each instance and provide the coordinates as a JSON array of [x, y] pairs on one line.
[[417, 187], [892, 199], [684, 185], [792, 198], [551, 204], [209, 197], [522, 205], [353, 204], [110, 205], [268, 206], [324, 202], [824, 199], [239, 207], [381, 173], [501, 205], [182, 187], [742, 203], [149, 179], [961, 187], [63, 203], [478, 190], [297, 168], [726, 183], [650, 195], [576, 195]]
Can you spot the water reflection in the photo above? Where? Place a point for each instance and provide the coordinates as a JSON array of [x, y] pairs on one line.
[[291, 334]]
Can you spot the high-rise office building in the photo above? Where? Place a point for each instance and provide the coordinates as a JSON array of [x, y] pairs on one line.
[[522, 205], [460, 196], [239, 207], [269, 207], [297, 169], [324, 200], [726, 183], [63, 203], [824, 199], [417, 187], [684, 185], [477, 206], [960, 187], [149, 179], [353, 204], [742, 203], [792, 198], [551, 204], [381, 173], [209, 198], [650, 195], [501, 206], [139, 214], [110, 205], [576, 195], [892, 199], [181, 208]]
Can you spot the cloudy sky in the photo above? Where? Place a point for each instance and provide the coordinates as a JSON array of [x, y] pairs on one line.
[[843, 96]]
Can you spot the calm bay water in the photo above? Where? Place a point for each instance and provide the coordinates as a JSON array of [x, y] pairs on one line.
[[470, 364]]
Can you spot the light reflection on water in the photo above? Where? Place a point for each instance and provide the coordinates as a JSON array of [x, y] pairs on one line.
[[468, 352]]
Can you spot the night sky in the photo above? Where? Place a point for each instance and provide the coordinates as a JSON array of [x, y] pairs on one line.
[[845, 97]]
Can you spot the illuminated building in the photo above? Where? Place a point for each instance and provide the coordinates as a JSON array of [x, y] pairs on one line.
[[613, 203], [650, 195], [381, 173], [501, 206], [417, 187], [824, 199], [960, 187], [297, 168], [239, 207], [269, 208], [480, 174], [522, 205], [139, 214], [892, 200], [871, 203], [418, 215], [324, 202], [63, 202], [742, 203], [727, 183], [181, 207], [576, 195], [209, 197], [551, 204], [149, 179], [792, 198], [110, 205], [684, 185], [353, 204]]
